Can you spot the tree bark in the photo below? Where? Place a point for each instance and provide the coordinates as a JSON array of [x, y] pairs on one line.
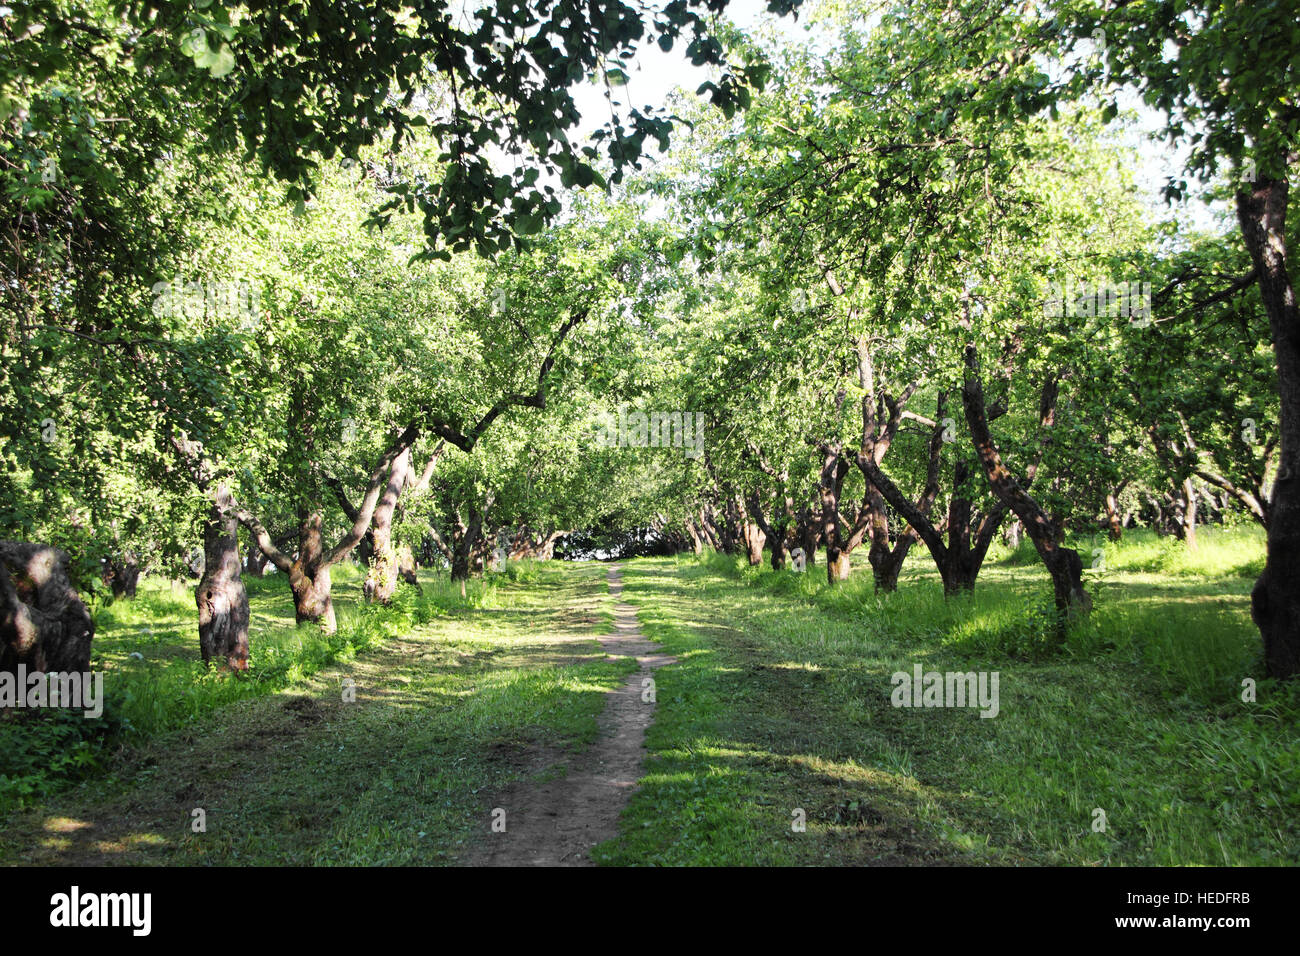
[[1114, 521], [1062, 563], [834, 469], [220, 597], [44, 624], [254, 560], [960, 560], [309, 577], [122, 575], [1188, 510], [381, 580], [465, 548], [808, 535], [1275, 600]]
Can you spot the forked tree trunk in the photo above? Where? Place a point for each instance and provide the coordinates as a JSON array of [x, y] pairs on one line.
[[1275, 600], [465, 547], [1062, 563], [881, 418], [1114, 521], [220, 596], [960, 560], [546, 550], [309, 577]]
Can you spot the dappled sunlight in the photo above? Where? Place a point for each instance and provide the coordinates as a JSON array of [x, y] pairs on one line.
[[65, 825], [795, 703]]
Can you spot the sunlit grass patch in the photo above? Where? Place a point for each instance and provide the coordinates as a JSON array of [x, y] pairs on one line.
[[1138, 718]]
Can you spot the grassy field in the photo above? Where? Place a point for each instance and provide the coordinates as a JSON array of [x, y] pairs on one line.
[[778, 713], [453, 701], [782, 703]]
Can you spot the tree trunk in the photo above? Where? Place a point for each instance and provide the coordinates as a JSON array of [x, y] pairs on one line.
[[309, 577], [697, 536], [731, 530], [1275, 600], [1189, 514], [839, 567], [254, 560], [754, 540], [1062, 563], [43, 623], [546, 550], [466, 550], [960, 560], [886, 562], [758, 531], [220, 597], [1114, 525], [831, 481], [122, 575], [406, 568], [807, 536], [384, 571], [779, 556]]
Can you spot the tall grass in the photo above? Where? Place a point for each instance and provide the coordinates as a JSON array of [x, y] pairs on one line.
[[155, 681], [1181, 613], [783, 699]]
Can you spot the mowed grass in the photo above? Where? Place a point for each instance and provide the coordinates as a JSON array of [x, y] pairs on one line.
[[774, 741], [453, 701], [155, 681], [780, 711]]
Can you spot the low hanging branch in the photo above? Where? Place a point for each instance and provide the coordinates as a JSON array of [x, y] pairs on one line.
[[1062, 563], [465, 441], [221, 590], [960, 560]]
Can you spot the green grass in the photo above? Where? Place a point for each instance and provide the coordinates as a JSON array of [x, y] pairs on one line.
[[782, 702], [777, 710], [155, 681], [454, 701]]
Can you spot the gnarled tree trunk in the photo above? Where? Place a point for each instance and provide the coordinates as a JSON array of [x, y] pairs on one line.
[[1062, 563], [220, 597], [309, 577], [43, 623]]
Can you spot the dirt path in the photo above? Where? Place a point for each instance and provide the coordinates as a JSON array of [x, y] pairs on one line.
[[556, 823]]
